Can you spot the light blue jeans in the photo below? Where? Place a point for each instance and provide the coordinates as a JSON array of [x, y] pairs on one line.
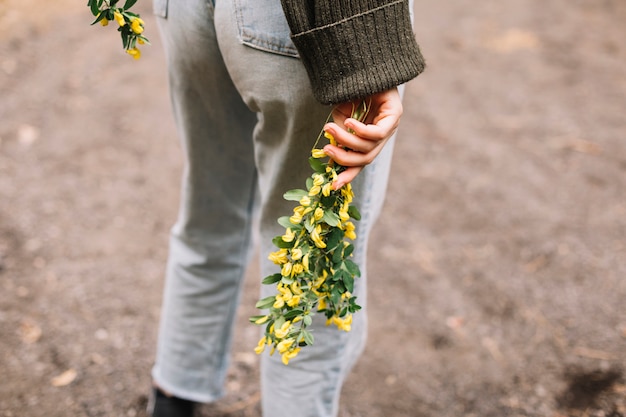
[[247, 122]]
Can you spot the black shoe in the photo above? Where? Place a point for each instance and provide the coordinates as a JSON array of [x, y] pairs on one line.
[[161, 405]]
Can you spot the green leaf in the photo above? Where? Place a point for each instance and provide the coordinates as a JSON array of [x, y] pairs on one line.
[[347, 251], [308, 337], [337, 256], [95, 8], [287, 280], [272, 279], [354, 213], [285, 222], [328, 201], [129, 4], [308, 226], [294, 195], [331, 218], [335, 294], [279, 322], [266, 302], [307, 320], [334, 237], [338, 275], [144, 39], [101, 16], [348, 281], [352, 268], [317, 165], [353, 305], [309, 183], [293, 314]]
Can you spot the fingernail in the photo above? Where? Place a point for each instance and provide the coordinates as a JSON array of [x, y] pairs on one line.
[[337, 184]]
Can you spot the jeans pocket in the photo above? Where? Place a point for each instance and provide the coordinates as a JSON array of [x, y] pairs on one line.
[[262, 25], [159, 8]]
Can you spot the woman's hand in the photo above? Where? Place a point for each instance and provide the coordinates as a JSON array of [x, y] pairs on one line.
[[358, 144]]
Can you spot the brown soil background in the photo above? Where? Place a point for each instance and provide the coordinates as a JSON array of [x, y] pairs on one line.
[[498, 268]]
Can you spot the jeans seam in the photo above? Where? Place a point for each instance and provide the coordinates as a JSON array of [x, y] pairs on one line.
[[210, 4]]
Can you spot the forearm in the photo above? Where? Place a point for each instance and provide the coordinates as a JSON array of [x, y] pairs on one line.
[[353, 49]]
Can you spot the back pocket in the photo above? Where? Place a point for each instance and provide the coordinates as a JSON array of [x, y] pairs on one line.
[[159, 8], [262, 25]]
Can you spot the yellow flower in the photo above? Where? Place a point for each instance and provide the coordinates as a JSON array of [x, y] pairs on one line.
[[134, 52], [282, 332], [284, 345], [262, 320], [347, 192], [331, 138], [321, 305], [343, 212], [290, 355], [295, 288], [343, 324], [305, 201], [305, 263], [315, 190], [349, 233], [289, 235], [295, 300], [119, 18], [318, 153], [315, 236], [279, 303], [320, 280], [296, 253], [286, 269], [104, 22], [261, 346], [136, 26], [296, 218], [318, 179], [279, 257], [140, 41], [297, 269], [326, 189], [284, 291]]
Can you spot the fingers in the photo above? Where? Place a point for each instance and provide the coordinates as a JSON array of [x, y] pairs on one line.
[[352, 158], [358, 143], [346, 177]]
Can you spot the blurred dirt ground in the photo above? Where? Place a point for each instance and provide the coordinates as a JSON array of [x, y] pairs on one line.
[[498, 270]]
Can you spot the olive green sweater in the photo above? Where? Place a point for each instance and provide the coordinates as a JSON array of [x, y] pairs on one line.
[[354, 48]]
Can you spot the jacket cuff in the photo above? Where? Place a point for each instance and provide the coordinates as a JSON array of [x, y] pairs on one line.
[[343, 65]]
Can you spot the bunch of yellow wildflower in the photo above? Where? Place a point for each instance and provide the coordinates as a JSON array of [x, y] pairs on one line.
[[131, 26], [316, 273]]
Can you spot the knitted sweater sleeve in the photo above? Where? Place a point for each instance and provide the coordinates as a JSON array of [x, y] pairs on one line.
[[354, 48]]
